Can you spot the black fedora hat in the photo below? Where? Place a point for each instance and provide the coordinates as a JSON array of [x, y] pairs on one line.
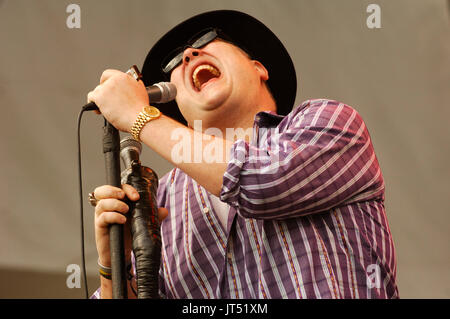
[[246, 32]]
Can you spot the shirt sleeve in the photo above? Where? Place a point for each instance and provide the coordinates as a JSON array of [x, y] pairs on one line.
[[96, 294], [322, 158]]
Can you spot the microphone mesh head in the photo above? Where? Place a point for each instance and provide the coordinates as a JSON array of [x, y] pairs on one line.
[[129, 141], [168, 91]]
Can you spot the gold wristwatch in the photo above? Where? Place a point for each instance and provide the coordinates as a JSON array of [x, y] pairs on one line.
[[148, 114]]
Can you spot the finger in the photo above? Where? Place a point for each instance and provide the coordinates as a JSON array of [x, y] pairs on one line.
[[107, 74], [162, 213], [90, 97], [108, 191], [111, 204], [108, 218], [131, 192]]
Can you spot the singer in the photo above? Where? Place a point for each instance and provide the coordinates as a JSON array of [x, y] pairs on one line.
[[296, 210]]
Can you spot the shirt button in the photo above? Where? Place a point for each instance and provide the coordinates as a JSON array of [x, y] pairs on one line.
[[229, 255], [206, 210]]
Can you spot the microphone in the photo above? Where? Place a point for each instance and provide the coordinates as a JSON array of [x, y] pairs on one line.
[[161, 92], [130, 149]]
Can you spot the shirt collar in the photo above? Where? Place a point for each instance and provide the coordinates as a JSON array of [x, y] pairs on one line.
[[268, 119]]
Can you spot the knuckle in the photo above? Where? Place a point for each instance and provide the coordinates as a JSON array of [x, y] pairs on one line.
[[127, 187], [100, 206], [113, 217], [96, 191], [114, 81], [122, 207], [112, 204], [105, 219], [100, 222], [105, 73], [97, 223], [122, 76]]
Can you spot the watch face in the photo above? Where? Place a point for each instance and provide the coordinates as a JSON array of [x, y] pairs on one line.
[[152, 111]]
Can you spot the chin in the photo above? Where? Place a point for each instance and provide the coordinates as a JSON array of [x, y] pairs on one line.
[[214, 99], [207, 104]]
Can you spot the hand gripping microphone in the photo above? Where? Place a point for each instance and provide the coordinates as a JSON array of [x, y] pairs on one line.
[[161, 92], [145, 227]]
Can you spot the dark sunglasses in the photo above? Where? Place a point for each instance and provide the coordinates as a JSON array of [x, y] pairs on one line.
[[198, 41]]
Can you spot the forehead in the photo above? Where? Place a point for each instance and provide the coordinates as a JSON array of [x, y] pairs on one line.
[[230, 42]]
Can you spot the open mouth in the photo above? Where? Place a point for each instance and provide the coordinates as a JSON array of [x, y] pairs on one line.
[[203, 74]]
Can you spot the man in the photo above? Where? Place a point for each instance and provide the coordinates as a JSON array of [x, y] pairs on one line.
[[296, 207]]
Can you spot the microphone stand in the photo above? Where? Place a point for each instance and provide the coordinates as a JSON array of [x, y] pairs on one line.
[[111, 151]]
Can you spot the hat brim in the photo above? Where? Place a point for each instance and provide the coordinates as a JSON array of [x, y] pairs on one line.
[[246, 32]]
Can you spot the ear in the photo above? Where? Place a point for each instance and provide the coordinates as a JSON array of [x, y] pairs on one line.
[[264, 74]]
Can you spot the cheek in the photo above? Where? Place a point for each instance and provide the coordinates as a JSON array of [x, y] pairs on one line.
[[175, 78], [182, 97]]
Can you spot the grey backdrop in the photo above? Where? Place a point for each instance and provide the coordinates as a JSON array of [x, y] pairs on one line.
[[397, 77]]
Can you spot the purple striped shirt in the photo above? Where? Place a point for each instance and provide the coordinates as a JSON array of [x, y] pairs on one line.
[[306, 219]]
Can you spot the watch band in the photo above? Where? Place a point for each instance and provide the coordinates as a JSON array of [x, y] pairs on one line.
[[148, 114]]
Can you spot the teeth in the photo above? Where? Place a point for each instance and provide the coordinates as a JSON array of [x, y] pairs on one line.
[[208, 67]]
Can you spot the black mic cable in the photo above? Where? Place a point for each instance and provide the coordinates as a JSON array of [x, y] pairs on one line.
[[80, 185]]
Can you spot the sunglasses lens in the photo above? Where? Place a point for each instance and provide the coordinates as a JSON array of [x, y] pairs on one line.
[[197, 41], [204, 39], [172, 60]]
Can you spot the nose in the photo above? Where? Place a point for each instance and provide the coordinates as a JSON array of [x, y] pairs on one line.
[[189, 54]]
